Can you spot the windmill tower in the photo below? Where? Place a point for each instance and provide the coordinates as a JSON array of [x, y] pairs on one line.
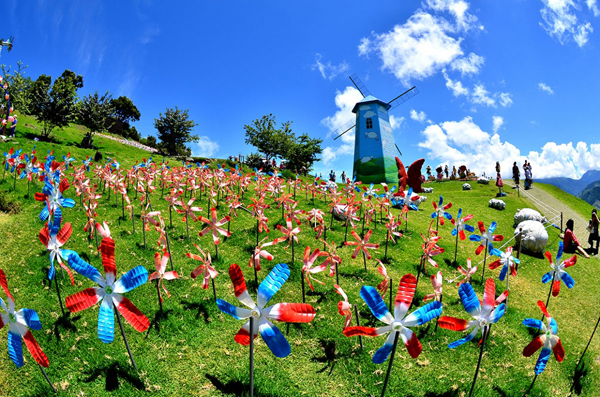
[[374, 145]]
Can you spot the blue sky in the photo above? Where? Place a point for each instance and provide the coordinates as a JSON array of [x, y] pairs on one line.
[[498, 80]]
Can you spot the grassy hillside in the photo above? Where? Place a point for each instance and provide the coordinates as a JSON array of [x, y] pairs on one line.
[[577, 204], [189, 348]]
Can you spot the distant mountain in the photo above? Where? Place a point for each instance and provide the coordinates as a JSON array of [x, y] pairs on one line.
[[573, 186], [591, 194]]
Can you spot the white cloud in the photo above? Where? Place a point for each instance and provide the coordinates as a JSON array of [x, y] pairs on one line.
[[545, 88], [468, 65], [396, 122], [593, 7], [482, 96], [464, 142], [327, 70], [505, 99], [455, 86], [561, 22], [205, 147], [418, 116], [458, 9], [416, 50], [497, 122]]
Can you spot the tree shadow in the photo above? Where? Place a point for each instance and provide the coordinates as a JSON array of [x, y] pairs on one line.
[[113, 372], [65, 322], [155, 323], [234, 387], [201, 309]]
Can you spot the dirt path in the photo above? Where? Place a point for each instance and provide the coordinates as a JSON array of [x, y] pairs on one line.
[[551, 207]]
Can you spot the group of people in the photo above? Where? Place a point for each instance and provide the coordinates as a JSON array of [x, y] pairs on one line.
[[332, 176], [571, 242], [526, 171]]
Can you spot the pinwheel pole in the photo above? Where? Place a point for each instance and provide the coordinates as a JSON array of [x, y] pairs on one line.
[[485, 334], [484, 259], [456, 248], [47, 379], [125, 338], [358, 323], [62, 309], [144, 230], [547, 300], [387, 376], [251, 356]]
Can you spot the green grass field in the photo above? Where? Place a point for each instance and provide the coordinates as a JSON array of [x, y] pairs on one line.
[[189, 348]]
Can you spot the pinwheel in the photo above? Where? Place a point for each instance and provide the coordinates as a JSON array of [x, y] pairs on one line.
[[86, 163], [465, 273], [344, 307], [388, 193], [292, 213], [214, 226], [399, 324], [385, 283], [391, 226], [52, 194], [352, 185], [362, 245], [558, 272], [28, 169], [349, 213], [90, 211], [485, 241], [206, 268], [173, 201], [290, 234], [437, 283], [548, 341], [8, 159], [430, 249], [332, 259], [406, 204], [68, 160], [440, 212], [19, 324], [483, 317], [160, 264], [260, 316], [508, 264], [109, 292], [259, 251], [308, 270], [188, 210], [370, 192], [460, 226], [316, 217]]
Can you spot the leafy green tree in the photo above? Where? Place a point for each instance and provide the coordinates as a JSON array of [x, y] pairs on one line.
[[175, 130], [19, 87], [303, 152], [151, 141], [70, 76], [93, 113], [53, 105], [124, 110], [267, 138]]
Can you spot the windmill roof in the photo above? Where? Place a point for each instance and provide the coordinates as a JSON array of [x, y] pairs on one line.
[[369, 99]]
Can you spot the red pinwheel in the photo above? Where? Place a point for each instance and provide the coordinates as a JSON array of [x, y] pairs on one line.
[[259, 251], [399, 324], [440, 211], [160, 264], [308, 270], [465, 273], [460, 225], [344, 307], [558, 271], [214, 226], [289, 233], [332, 259], [285, 312], [173, 200], [430, 249], [53, 238], [109, 290], [437, 282], [205, 268], [188, 210], [385, 283], [362, 244], [548, 340], [19, 324], [508, 264]]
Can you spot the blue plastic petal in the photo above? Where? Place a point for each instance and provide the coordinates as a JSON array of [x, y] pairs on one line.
[[492, 227], [81, 266], [45, 213], [542, 361], [498, 313], [56, 221], [106, 322], [459, 213], [274, 339], [533, 323], [15, 349], [272, 283], [131, 280], [68, 203], [434, 215], [469, 298], [375, 303], [469, 228], [32, 319], [475, 237], [425, 313], [568, 280], [51, 271], [503, 273], [441, 201], [462, 341], [228, 308], [554, 326], [447, 216], [384, 351], [548, 276], [454, 232], [561, 248]]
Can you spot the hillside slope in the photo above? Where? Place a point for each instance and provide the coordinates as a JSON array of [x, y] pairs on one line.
[[573, 186]]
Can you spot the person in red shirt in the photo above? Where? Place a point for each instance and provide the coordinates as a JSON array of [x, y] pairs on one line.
[[571, 242]]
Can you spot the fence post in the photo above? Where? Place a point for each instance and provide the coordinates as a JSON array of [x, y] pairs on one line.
[[561, 221]]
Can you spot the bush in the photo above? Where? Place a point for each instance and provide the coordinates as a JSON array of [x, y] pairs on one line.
[[253, 160]]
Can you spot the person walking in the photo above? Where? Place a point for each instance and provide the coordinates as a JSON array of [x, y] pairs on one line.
[[446, 171], [593, 229], [516, 174], [343, 176]]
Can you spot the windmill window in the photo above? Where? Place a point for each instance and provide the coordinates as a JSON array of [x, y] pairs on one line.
[[369, 123]]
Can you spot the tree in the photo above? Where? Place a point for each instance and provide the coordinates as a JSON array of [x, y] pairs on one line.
[[75, 79], [124, 110], [269, 140], [19, 87], [151, 141], [54, 107], [303, 152], [93, 113], [175, 130]]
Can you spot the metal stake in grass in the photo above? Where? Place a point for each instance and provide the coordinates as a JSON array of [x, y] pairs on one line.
[[358, 323], [251, 356], [47, 379], [485, 334], [484, 259], [547, 300], [144, 230], [387, 376], [159, 296], [125, 339], [169, 249], [62, 309]]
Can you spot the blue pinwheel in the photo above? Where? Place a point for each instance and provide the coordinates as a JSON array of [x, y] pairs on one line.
[[52, 194], [483, 317], [29, 168], [351, 184], [486, 238], [388, 193], [87, 163], [548, 340], [54, 237], [558, 270], [460, 225], [109, 290], [285, 312], [440, 211], [399, 323], [68, 160]]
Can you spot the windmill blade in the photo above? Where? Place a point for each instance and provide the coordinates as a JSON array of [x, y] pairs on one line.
[[360, 85], [405, 96], [344, 128]]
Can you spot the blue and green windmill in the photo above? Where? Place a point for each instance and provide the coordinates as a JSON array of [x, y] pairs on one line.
[[374, 145]]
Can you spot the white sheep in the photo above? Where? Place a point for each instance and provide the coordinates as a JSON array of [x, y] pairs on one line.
[[466, 186], [497, 204], [532, 235], [528, 214]]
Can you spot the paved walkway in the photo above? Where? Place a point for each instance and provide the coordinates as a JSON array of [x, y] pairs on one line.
[[551, 207]]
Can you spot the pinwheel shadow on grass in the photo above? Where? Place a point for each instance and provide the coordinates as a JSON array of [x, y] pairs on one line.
[[579, 377], [329, 355], [66, 322], [449, 393], [159, 316], [203, 308], [236, 387], [112, 372]]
